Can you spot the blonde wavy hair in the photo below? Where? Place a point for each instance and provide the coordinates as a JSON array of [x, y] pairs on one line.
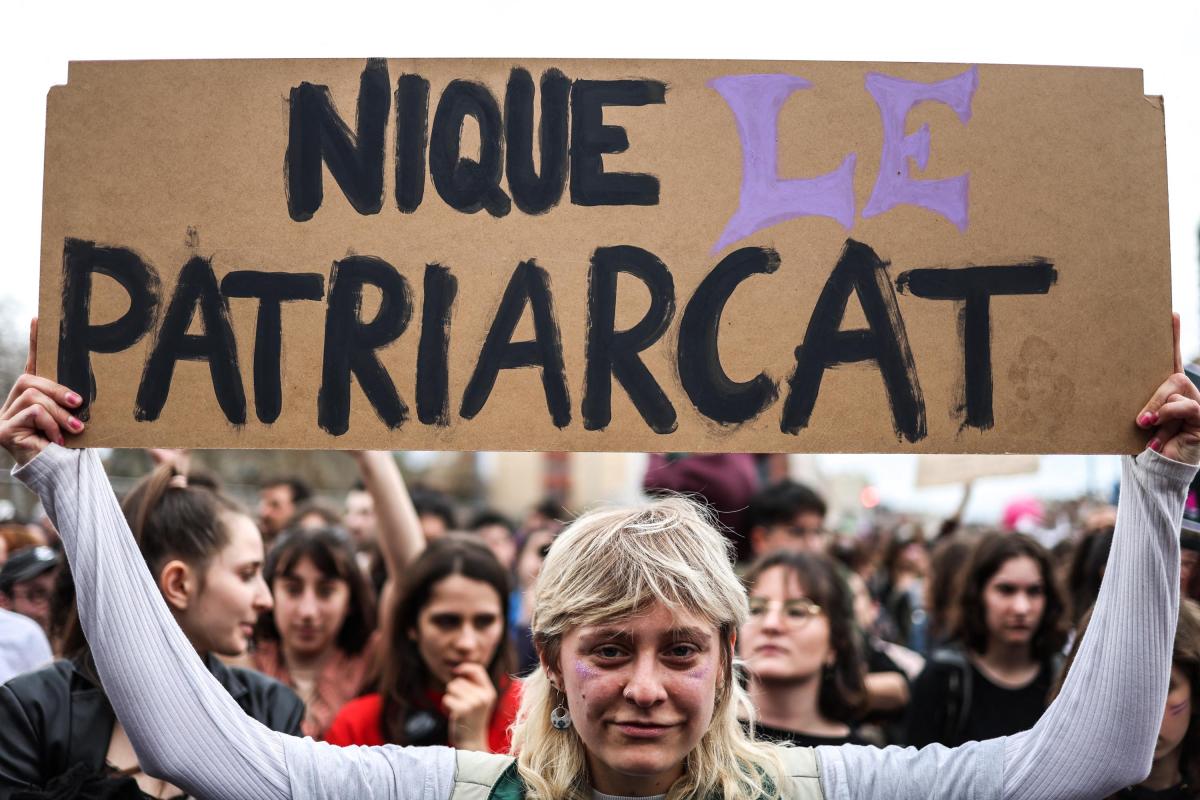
[[615, 564]]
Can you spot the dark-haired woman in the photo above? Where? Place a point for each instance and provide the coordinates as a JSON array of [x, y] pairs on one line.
[[444, 663], [994, 680], [320, 639], [802, 654], [317, 639], [57, 730]]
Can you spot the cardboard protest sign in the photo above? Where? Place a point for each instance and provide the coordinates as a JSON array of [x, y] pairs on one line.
[[939, 470], [606, 255]]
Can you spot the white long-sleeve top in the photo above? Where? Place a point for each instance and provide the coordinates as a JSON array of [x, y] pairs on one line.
[[1098, 736]]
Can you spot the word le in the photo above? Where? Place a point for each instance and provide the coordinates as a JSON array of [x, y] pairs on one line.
[[350, 342]]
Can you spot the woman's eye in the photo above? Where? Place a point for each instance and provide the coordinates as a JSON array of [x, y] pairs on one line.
[[608, 651], [447, 622], [683, 650]]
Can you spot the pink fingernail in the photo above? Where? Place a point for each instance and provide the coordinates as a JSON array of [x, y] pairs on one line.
[[1153, 415], [75, 424], [73, 399], [1155, 445], [1144, 419]]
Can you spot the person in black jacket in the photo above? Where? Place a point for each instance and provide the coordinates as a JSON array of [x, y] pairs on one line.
[[994, 678], [58, 734]]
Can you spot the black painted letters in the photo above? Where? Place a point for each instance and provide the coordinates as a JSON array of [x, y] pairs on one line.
[[883, 341], [78, 338], [973, 288], [350, 343], [611, 352], [317, 133]]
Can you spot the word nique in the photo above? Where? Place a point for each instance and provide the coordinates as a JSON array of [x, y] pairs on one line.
[[355, 159], [351, 342], [317, 134]]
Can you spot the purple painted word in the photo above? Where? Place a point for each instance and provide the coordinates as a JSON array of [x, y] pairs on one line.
[[766, 199]]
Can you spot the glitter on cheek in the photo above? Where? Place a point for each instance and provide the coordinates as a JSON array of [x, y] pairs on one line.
[[1179, 708], [699, 674], [584, 672]]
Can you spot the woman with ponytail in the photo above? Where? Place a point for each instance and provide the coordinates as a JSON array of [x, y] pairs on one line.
[[58, 732]]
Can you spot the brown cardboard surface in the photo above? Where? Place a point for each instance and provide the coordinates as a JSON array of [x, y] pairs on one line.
[[1065, 171]]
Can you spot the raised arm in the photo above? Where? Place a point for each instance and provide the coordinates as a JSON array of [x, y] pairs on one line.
[[400, 537], [183, 725], [1099, 735]]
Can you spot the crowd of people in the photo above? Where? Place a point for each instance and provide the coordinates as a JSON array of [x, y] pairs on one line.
[[396, 617]]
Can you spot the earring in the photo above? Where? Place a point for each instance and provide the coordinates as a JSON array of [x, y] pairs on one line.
[[560, 718]]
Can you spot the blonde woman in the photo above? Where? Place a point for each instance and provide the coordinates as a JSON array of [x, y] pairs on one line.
[[635, 623]]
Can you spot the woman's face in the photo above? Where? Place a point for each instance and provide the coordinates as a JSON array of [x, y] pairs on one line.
[[221, 618], [786, 637], [641, 694], [310, 608], [461, 623], [1176, 716], [1014, 599]]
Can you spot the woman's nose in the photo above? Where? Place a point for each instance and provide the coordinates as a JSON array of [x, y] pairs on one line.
[[467, 639], [645, 686]]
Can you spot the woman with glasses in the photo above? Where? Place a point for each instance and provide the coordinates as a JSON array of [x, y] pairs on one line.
[[802, 655]]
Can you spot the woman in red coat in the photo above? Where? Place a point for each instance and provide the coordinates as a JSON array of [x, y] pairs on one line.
[[443, 670]]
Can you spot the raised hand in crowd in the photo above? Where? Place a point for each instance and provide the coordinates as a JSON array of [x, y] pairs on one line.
[[399, 528]]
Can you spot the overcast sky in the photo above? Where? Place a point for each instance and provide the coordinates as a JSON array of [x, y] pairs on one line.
[[41, 38]]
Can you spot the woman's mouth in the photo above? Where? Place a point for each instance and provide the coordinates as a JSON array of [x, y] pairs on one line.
[[643, 730]]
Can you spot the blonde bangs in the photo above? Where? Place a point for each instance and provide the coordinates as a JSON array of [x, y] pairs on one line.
[[616, 563]]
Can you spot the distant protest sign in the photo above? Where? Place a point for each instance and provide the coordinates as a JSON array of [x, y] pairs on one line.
[[939, 470], [606, 255]]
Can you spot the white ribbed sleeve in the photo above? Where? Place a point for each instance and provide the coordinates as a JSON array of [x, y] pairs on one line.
[[184, 727], [1099, 735]]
